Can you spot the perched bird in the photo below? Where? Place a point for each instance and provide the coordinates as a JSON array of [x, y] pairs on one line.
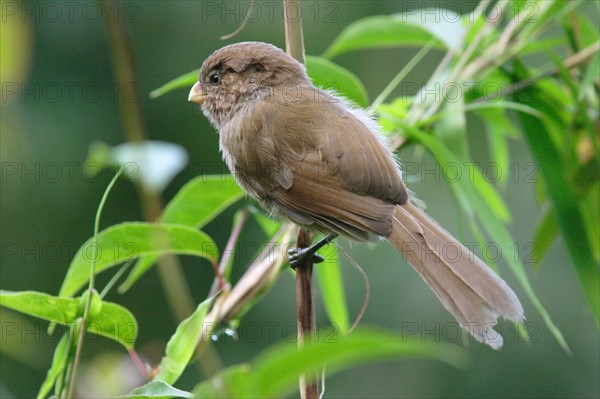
[[310, 156]]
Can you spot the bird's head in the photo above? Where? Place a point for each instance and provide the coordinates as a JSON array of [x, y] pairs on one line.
[[237, 75]]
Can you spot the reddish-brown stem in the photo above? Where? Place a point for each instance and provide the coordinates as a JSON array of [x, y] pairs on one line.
[[305, 312]]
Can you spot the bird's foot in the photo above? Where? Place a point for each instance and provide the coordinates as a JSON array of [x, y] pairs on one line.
[[298, 256]]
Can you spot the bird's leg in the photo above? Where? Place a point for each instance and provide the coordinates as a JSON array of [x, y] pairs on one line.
[[297, 256]]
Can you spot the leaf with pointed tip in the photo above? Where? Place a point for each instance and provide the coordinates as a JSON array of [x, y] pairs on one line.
[[186, 80], [110, 320], [400, 30], [58, 364], [127, 241], [275, 372], [182, 344], [196, 204], [157, 390]]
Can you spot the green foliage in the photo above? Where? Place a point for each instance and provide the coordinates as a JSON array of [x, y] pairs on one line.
[[274, 373], [195, 205], [130, 240], [562, 190], [330, 280], [182, 344], [157, 390], [327, 75], [399, 30], [557, 109]]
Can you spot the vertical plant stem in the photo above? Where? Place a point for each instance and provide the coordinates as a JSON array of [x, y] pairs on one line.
[[170, 271], [90, 290], [305, 312], [294, 39]]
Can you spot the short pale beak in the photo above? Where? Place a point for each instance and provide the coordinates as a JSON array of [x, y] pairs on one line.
[[196, 94]]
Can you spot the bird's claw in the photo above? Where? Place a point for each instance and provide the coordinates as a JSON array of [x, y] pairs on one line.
[[297, 257]]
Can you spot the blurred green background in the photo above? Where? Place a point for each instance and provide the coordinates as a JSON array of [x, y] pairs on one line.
[[58, 96]]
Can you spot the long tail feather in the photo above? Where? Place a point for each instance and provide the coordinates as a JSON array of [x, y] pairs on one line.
[[464, 284]]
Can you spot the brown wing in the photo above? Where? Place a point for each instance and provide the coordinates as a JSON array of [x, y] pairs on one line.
[[333, 170]]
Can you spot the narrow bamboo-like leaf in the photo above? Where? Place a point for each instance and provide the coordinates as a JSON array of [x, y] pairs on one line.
[[329, 275], [591, 74], [327, 75], [452, 128], [185, 80], [562, 195], [196, 204], [574, 88], [460, 173], [591, 215], [545, 234], [127, 241], [275, 372], [157, 390], [498, 128], [400, 30], [182, 344], [231, 382], [57, 367]]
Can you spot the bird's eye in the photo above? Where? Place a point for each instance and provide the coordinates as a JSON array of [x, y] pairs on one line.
[[214, 78]]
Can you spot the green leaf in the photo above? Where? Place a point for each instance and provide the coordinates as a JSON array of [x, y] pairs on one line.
[[545, 234], [182, 344], [498, 128], [414, 29], [275, 372], [459, 173], [127, 241], [562, 195], [332, 288], [330, 280], [329, 76], [112, 321], [43, 306], [591, 214], [451, 129], [231, 382], [157, 390], [58, 365], [185, 80], [196, 204], [591, 74], [201, 200]]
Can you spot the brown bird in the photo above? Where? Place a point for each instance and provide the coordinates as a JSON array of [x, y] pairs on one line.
[[309, 156]]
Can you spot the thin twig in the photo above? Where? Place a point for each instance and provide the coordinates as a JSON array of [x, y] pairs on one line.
[[401, 75], [363, 308], [219, 282], [573, 61], [305, 312], [243, 24], [90, 291], [294, 43]]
